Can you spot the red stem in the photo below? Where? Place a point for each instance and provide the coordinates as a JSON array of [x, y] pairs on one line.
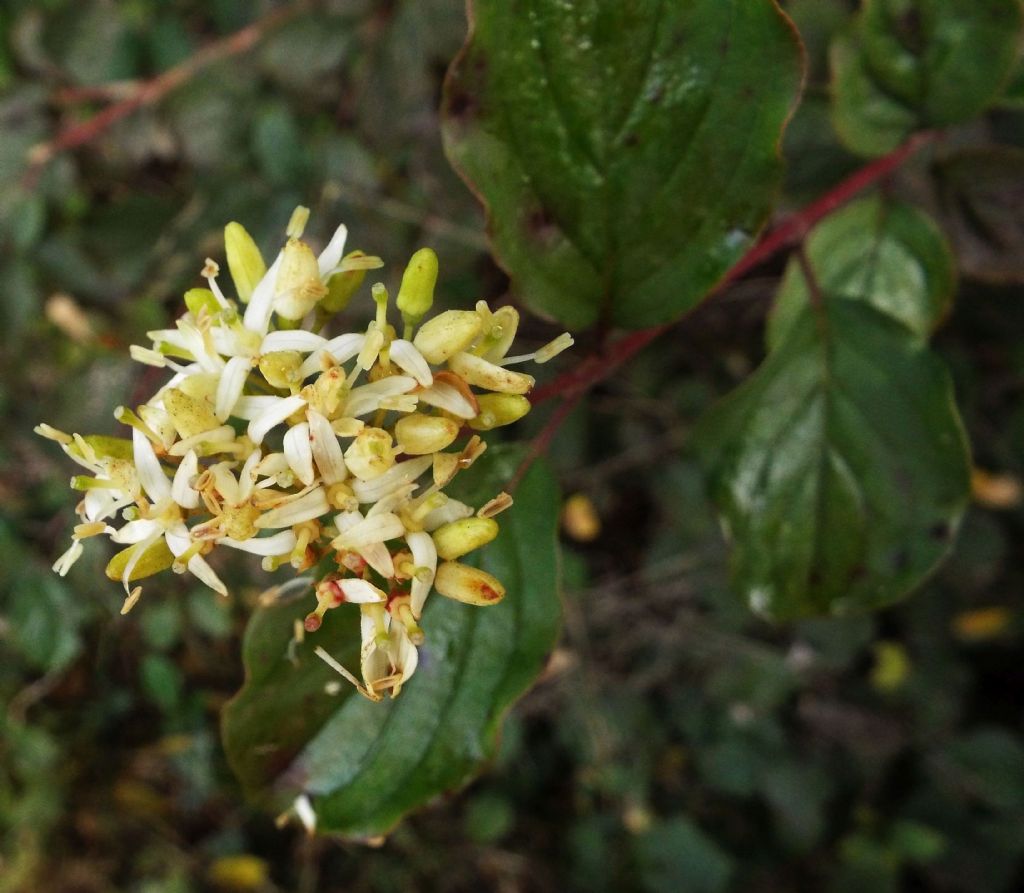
[[600, 366], [152, 91]]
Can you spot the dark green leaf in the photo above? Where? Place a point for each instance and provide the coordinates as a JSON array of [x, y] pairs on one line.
[[982, 194], [365, 765], [840, 467], [889, 255], [676, 855], [44, 621], [627, 152], [912, 64]]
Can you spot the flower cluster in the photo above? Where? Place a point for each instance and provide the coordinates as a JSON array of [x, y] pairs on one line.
[[274, 439]]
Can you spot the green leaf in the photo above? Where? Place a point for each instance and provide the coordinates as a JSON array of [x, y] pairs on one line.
[[980, 191], [627, 153], [912, 64], [676, 855], [888, 255], [363, 764], [840, 467]]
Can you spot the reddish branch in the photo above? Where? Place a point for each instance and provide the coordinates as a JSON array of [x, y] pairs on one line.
[[152, 91], [600, 366]]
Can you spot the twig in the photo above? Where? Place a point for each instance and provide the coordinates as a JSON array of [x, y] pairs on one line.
[[152, 91], [600, 366], [539, 445]]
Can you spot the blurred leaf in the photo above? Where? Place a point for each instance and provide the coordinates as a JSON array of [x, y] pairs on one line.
[[44, 621], [797, 794], [277, 143], [985, 765], [840, 466], [161, 681], [911, 64], [676, 855], [209, 613], [489, 817], [889, 255], [982, 195], [364, 764], [161, 624], [627, 153]]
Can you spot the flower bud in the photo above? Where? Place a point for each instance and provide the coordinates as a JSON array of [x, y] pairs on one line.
[[479, 372], [190, 415], [499, 409], [419, 435], [343, 285], [457, 538], [244, 260], [199, 299], [416, 295], [155, 559], [446, 334], [468, 585], [281, 368], [504, 323], [298, 281], [370, 454]]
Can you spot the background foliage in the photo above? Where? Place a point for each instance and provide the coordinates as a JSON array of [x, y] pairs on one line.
[[675, 740]]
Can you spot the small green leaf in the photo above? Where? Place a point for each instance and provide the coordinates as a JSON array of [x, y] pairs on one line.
[[912, 64], [363, 764], [889, 255], [627, 153], [840, 467], [981, 196]]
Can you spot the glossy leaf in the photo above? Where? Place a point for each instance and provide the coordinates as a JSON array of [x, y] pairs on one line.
[[982, 194], [913, 64], [363, 764], [840, 467], [627, 153], [889, 255]]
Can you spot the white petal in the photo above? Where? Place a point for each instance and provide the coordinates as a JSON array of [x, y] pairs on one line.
[[292, 339], [411, 360], [272, 416], [249, 408], [403, 654], [379, 558], [136, 531], [247, 476], [378, 529], [397, 475], [447, 397], [346, 520], [63, 564], [452, 510], [279, 544], [305, 508], [342, 349], [229, 388], [361, 592], [326, 449], [424, 555], [182, 491], [374, 663], [299, 453], [272, 464], [368, 397], [261, 304], [151, 473], [223, 434], [198, 567], [330, 257]]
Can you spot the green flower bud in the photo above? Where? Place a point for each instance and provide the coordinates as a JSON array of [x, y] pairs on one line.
[[457, 538], [281, 368], [468, 585], [155, 559], [190, 415], [419, 435], [197, 299], [447, 334], [499, 409], [342, 286], [416, 295], [244, 260]]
